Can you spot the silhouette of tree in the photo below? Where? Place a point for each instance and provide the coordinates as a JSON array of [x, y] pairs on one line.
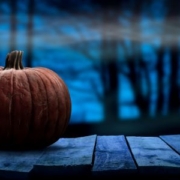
[[174, 53], [134, 60], [30, 33], [160, 66], [109, 60], [13, 24], [108, 66], [104, 16]]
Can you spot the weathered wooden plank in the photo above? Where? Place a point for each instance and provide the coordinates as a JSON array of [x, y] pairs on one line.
[[154, 156], [173, 141], [17, 164], [67, 157], [112, 157]]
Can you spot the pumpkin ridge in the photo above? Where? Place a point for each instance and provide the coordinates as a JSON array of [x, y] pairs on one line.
[[68, 106], [17, 104], [46, 124], [57, 120], [8, 135], [9, 126], [31, 106], [32, 111], [10, 109], [68, 103]]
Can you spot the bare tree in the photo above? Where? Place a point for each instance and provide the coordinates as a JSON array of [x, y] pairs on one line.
[[106, 23], [174, 87], [109, 61]]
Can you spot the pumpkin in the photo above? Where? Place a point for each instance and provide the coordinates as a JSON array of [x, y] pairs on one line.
[[35, 105]]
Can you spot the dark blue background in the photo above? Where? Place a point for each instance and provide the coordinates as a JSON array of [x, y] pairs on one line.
[[119, 59]]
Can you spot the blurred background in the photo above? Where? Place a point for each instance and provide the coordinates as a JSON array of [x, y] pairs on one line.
[[120, 59]]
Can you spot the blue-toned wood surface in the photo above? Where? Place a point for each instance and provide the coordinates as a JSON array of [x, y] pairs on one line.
[[112, 157], [67, 157], [154, 156], [96, 156], [17, 164], [173, 141]]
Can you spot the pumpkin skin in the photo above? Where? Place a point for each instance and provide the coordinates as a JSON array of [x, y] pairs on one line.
[[35, 105]]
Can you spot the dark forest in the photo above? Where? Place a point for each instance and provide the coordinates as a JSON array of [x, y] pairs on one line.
[[120, 59]]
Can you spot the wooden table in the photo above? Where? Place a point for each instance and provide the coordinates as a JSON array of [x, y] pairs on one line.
[[96, 156]]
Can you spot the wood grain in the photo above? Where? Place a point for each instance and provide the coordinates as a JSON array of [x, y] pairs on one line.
[[17, 164], [67, 157], [173, 141], [154, 156], [112, 157]]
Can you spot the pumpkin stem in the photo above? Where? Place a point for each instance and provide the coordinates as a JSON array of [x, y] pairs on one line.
[[14, 60]]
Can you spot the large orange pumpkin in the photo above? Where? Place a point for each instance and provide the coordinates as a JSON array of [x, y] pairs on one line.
[[35, 105]]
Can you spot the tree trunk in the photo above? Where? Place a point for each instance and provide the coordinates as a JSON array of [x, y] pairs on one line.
[[30, 34], [174, 102], [174, 89], [160, 66], [109, 71], [13, 25]]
